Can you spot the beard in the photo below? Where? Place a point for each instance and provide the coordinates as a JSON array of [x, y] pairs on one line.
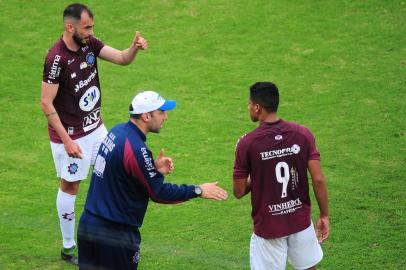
[[79, 41]]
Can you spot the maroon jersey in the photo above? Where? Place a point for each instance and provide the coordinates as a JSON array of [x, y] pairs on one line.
[[275, 156], [78, 99]]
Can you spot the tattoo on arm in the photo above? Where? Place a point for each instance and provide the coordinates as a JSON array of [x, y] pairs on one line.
[[49, 114]]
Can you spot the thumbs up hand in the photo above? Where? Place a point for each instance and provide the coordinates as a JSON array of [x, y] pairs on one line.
[[164, 164], [139, 42]]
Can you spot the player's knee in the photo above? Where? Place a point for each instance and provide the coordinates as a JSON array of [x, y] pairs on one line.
[[70, 187]]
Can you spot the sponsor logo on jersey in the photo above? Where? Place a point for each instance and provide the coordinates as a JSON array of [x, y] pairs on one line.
[[73, 75], [83, 83], [89, 99], [90, 59], [70, 61], [294, 150], [55, 69], [85, 48], [294, 175], [83, 65], [91, 120], [73, 168], [285, 208], [278, 137], [71, 130], [149, 166]]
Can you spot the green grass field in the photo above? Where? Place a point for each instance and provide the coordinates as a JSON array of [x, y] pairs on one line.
[[341, 70]]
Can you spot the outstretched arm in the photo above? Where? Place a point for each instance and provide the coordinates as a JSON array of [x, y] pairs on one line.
[[320, 192], [126, 56], [139, 163]]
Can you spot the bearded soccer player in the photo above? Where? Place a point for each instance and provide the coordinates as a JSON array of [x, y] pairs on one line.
[[272, 162], [71, 102]]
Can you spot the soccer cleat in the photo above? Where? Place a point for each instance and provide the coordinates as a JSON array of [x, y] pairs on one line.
[[70, 255]]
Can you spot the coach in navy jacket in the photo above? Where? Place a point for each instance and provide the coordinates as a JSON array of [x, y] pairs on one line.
[[124, 178]]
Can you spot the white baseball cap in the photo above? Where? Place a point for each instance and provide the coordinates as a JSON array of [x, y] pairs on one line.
[[149, 101]]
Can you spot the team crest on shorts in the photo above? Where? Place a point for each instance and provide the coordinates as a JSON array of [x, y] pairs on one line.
[[73, 168], [90, 59]]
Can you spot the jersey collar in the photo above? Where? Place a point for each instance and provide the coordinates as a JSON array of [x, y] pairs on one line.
[[140, 133], [270, 123]]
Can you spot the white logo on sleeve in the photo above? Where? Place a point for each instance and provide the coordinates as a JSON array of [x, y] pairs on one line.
[[55, 69], [89, 99], [149, 165], [99, 166]]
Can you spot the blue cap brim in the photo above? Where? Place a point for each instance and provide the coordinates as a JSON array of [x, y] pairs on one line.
[[168, 105]]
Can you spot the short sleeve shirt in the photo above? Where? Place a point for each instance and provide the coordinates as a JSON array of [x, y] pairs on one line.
[[78, 100], [275, 157]]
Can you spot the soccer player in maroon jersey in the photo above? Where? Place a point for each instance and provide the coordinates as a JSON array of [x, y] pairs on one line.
[[71, 102], [272, 162]]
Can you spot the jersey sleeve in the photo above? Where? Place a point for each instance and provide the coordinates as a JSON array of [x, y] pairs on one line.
[[139, 163], [96, 45], [241, 164], [52, 68], [314, 154]]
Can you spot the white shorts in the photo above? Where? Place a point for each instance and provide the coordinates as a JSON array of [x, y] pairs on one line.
[[302, 250], [75, 169]]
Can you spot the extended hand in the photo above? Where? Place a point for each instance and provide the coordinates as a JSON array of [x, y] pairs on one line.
[[139, 42], [212, 191], [73, 149], [164, 164], [322, 228]]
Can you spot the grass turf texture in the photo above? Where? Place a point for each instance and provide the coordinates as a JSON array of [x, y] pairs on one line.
[[340, 67]]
